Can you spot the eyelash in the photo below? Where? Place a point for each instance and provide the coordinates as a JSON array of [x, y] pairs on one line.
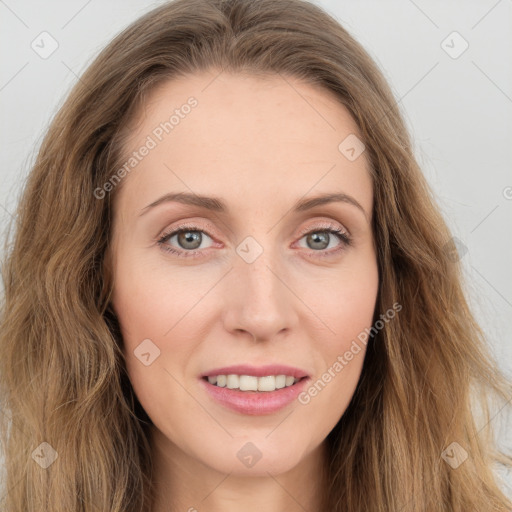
[[342, 235]]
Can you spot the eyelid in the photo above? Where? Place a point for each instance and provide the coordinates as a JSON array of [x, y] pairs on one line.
[[208, 228], [183, 226], [341, 233], [324, 224]]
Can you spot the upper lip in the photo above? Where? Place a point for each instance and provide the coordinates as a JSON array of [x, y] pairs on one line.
[[257, 371]]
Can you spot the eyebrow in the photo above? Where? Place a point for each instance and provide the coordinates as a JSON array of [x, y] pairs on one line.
[[217, 205]]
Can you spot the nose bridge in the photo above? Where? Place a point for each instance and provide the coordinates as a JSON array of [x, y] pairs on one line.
[[258, 299]]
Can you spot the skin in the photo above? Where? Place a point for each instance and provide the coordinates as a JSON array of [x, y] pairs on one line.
[[259, 144]]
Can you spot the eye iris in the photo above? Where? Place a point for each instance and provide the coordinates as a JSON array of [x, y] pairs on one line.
[[318, 239], [323, 238], [186, 237]]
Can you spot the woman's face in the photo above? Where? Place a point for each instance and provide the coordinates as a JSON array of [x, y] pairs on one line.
[[244, 284]]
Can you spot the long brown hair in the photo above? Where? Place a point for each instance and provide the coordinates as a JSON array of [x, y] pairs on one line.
[[63, 380]]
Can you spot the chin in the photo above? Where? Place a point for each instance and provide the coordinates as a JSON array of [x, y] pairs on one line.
[[254, 456]]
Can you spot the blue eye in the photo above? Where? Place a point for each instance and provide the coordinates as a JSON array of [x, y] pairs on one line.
[[323, 236], [188, 237], [191, 237]]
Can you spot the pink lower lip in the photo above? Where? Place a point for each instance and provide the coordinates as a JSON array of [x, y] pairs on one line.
[[255, 402]]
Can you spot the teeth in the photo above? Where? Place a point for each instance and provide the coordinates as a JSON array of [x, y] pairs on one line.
[[232, 381], [245, 383], [251, 383]]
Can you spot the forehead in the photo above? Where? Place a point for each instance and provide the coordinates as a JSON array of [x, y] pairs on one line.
[[247, 136]]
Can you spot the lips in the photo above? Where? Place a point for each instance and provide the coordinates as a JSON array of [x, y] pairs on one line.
[[257, 371], [255, 402]]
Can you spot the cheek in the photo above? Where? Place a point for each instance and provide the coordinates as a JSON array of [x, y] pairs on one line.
[[152, 305], [150, 300], [341, 353], [352, 306], [344, 302], [156, 309], [346, 307]]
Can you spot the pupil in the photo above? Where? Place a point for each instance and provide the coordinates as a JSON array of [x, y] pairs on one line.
[[322, 239], [189, 236]]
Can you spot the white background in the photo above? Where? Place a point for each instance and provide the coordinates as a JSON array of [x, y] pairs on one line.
[[459, 111]]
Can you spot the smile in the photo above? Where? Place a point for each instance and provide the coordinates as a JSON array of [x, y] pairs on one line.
[[252, 402], [252, 383]]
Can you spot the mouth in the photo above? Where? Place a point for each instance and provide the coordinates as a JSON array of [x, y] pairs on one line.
[[254, 391], [251, 383]]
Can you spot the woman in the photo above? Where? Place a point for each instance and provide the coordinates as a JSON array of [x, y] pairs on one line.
[[262, 370]]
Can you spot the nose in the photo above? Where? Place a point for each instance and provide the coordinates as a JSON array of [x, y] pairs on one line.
[[258, 298]]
